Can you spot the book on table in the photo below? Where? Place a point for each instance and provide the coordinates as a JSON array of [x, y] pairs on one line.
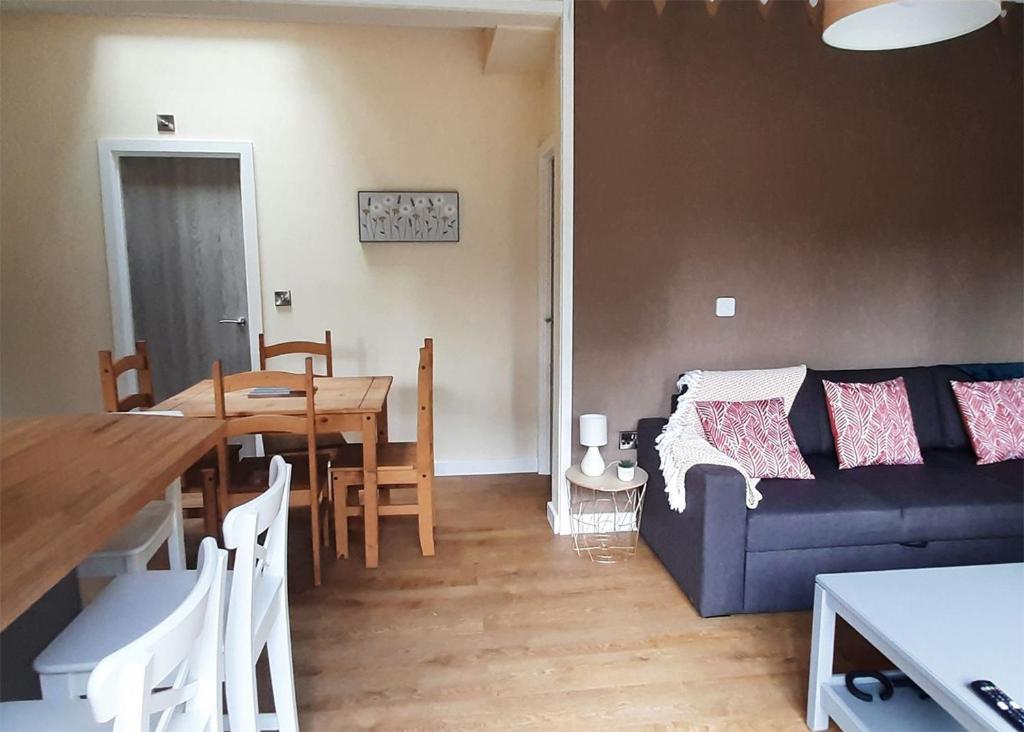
[[270, 392]]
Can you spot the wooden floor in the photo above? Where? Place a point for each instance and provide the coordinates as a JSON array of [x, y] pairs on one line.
[[507, 629]]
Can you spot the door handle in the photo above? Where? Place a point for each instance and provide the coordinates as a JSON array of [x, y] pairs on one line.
[[549, 319], [240, 322]]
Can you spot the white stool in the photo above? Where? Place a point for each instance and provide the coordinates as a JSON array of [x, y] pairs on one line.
[[134, 545], [180, 654]]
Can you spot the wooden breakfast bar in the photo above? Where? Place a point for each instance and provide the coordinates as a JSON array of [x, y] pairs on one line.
[[67, 484]]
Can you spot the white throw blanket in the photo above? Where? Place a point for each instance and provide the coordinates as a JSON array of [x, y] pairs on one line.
[[682, 443]]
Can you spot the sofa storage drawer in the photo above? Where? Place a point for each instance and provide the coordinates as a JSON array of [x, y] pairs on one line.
[[784, 580]]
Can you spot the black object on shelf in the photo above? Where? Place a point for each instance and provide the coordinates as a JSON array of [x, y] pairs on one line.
[[851, 685], [889, 684], [996, 698]]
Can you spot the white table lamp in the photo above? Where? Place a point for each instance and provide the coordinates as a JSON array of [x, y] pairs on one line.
[[593, 435]]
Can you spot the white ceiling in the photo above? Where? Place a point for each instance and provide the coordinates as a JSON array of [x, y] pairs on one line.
[[424, 13]]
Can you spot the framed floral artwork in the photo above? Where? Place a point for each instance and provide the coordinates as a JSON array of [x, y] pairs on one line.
[[408, 216]]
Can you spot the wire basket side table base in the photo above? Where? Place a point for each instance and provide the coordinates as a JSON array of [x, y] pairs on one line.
[[606, 526], [604, 514]]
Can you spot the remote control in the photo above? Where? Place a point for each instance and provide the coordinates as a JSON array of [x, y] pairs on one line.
[[992, 695]]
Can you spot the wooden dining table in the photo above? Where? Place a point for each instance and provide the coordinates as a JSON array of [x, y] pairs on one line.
[[69, 483], [343, 404]]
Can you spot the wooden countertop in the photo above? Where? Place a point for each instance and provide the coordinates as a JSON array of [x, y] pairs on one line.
[[68, 483]]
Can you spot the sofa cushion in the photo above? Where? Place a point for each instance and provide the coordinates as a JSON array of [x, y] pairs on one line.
[[993, 371], [1010, 472], [832, 510], [954, 434], [948, 498], [936, 416]]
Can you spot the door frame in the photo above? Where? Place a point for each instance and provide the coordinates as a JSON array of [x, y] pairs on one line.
[[111, 150], [547, 245], [558, 507]]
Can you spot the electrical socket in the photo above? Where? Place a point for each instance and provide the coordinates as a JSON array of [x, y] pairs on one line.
[[627, 440]]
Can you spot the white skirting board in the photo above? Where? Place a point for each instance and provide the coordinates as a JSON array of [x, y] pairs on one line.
[[486, 467], [552, 519]]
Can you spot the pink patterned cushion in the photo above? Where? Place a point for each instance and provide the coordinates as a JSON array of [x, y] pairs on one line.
[[872, 424], [756, 434], [993, 412]]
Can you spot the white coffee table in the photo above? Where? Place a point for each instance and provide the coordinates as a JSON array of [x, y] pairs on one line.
[[942, 627]]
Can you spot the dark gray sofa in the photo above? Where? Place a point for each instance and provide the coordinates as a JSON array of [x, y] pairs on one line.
[[948, 511]]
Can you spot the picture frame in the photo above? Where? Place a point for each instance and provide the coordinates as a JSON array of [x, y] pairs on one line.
[[407, 216]]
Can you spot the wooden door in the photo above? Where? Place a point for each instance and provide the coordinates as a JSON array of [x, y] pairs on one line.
[[186, 264]]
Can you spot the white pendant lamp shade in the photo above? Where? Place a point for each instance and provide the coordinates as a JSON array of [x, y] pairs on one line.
[[880, 25], [593, 430]]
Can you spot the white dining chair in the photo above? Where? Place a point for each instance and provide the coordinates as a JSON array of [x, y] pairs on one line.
[[167, 679], [158, 523], [258, 607], [257, 615]]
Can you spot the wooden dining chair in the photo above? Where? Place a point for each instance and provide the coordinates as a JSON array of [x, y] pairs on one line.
[[247, 478], [110, 370], [201, 479], [302, 348], [292, 444], [398, 463], [159, 522]]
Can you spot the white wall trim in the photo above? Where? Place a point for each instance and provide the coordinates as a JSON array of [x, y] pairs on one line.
[[547, 243], [552, 518], [423, 13], [110, 152], [563, 290], [526, 464]]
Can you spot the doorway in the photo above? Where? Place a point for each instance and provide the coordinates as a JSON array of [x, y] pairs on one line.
[[182, 254], [547, 239], [186, 266]]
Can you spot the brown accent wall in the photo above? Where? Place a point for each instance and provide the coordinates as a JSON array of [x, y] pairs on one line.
[[865, 209]]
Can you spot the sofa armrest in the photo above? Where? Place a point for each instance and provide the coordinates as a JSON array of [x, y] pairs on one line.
[[704, 547]]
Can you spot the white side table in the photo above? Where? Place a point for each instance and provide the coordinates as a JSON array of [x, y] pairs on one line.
[[605, 512]]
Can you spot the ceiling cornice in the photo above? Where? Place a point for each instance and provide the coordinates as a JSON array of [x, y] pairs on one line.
[[423, 13]]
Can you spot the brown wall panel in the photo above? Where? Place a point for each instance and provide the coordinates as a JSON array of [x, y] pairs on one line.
[[865, 209]]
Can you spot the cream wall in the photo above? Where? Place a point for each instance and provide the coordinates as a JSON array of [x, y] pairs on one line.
[[330, 110]]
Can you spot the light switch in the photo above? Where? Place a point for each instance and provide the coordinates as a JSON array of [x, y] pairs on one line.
[[725, 307], [165, 124]]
